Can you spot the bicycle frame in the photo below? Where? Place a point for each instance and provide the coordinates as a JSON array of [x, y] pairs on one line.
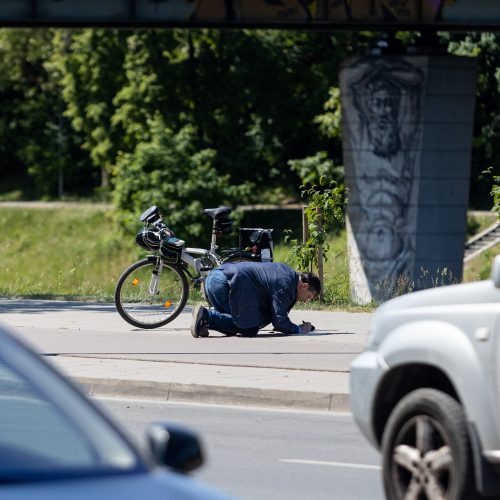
[[196, 263], [211, 255], [159, 300], [200, 259]]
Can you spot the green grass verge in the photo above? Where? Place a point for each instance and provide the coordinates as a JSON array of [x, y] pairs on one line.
[[76, 253], [71, 253], [479, 268], [478, 222]]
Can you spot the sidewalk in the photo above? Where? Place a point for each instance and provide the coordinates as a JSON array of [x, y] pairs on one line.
[[91, 344]]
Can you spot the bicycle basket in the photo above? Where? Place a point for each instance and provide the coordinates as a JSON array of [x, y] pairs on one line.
[[171, 249], [258, 241], [148, 239]]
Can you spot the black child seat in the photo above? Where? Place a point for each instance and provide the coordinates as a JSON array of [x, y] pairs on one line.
[[258, 241]]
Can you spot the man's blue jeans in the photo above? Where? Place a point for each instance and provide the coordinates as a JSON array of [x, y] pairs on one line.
[[219, 318]]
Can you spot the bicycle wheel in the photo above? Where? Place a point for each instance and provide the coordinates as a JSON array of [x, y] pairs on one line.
[[239, 258], [146, 302]]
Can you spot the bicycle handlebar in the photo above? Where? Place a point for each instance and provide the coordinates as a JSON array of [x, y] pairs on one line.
[[160, 226]]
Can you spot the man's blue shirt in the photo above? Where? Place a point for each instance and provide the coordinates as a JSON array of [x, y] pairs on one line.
[[262, 293]]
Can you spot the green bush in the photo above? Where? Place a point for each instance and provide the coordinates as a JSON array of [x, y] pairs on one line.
[[495, 191], [170, 172]]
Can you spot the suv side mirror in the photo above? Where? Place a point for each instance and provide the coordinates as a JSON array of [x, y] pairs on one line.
[[495, 271], [174, 446]]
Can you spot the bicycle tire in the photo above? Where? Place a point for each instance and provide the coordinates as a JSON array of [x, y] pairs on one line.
[[240, 258], [138, 307]]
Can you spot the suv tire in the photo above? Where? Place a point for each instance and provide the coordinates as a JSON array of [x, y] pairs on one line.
[[425, 449]]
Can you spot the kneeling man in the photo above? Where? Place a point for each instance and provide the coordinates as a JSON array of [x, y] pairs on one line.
[[246, 296]]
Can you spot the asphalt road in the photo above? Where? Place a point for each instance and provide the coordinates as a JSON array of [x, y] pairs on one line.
[[96, 330], [255, 453]]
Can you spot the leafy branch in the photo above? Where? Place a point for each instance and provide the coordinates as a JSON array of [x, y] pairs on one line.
[[324, 211]]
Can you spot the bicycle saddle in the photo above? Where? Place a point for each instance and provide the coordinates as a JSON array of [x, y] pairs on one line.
[[217, 213]]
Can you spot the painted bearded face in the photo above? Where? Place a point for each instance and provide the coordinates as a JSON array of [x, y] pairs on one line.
[[382, 111]]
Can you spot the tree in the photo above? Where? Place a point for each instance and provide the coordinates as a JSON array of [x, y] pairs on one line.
[[34, 147], [495, 191], [90, 62], [172, 171], [486, 144], [252, 95]]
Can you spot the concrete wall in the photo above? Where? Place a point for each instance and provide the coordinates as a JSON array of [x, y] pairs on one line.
[[407, 124]]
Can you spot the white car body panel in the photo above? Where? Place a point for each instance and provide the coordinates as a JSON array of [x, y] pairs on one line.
[[455, 329]]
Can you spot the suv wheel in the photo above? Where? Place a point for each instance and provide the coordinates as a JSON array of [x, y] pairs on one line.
[[425, 449]]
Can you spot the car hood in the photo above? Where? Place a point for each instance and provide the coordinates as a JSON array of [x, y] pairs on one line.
[[146, 486], [428, 304], [466, 293]]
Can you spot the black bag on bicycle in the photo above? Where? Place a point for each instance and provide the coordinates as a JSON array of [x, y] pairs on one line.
[[258, 241], [171, 249]]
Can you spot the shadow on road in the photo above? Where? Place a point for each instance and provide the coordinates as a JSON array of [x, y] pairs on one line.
[[40, 306]]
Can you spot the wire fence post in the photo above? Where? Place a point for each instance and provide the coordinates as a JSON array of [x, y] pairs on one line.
[[305, 227], [320, 253], [305, 230]]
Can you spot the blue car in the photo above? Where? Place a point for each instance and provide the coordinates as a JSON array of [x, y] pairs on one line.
[[56, 444]]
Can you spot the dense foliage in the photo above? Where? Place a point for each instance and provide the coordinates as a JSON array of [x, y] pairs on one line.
[[495, 191], [188, 118], [172, 168], [486, 146]]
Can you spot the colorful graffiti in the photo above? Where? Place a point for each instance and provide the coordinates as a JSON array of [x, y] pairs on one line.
[[372, 11], [345, 13]]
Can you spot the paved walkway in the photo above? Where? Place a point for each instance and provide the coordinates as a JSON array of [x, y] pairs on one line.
[[93, 345]]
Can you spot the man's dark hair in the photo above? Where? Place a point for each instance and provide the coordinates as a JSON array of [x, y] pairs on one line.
[[312, 280]]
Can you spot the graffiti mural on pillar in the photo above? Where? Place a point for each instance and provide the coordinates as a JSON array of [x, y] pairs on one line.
[[381, 103]]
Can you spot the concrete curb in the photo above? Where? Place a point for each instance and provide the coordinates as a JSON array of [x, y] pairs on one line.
[[207, 383], [212, 394]]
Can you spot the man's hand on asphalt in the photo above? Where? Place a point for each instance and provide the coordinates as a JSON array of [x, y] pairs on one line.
[[306, 327]]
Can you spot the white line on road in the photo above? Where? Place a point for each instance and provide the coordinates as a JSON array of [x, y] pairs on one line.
[[331, 464]]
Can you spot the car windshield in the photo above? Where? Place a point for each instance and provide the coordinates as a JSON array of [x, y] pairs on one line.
[[48, 429]]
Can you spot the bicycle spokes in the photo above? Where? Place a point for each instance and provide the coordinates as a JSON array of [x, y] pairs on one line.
[[149, 294]]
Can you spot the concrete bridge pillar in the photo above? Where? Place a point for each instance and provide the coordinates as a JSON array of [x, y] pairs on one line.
[[407, 136]]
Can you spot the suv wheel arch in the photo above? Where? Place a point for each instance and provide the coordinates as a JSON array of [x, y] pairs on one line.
[[402, 380]]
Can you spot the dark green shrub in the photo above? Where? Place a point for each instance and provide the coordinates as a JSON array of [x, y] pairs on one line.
[[169, 171]]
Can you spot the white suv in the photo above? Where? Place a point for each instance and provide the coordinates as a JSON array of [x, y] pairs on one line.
[[426, 391]]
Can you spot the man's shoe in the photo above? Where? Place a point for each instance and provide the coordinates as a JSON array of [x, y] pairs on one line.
[[198, 326], [203, 331]]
